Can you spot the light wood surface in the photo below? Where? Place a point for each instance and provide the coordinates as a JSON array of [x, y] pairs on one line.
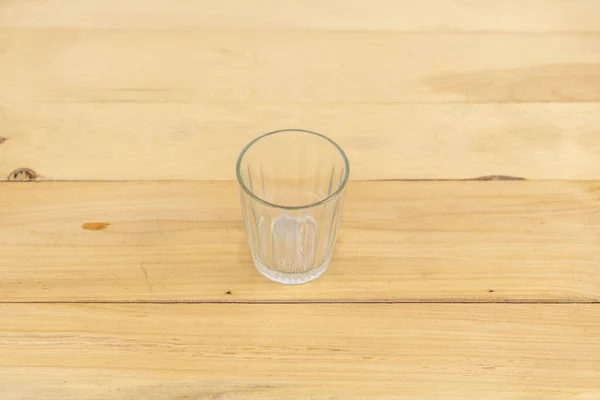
[[127, 274], [399, 241], [114, 90], [225, 66], [340, 351], [535, 16], [383, 141]]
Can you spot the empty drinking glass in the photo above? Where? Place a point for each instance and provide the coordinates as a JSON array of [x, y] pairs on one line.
[[292, 187]]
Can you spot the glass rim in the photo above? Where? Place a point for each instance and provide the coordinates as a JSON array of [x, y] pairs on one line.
[[249, 192]]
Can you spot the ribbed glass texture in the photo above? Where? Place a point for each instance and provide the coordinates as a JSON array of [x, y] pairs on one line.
[[292, 189]]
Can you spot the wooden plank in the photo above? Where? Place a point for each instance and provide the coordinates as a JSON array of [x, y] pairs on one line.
[[78, 65], [395, 15], [82, 352], [400, 241], [129, 141]]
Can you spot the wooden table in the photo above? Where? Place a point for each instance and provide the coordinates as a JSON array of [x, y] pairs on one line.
[[468, 263]]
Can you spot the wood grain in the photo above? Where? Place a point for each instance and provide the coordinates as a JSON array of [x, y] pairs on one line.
[[82, 352], [77, 65], [400, 241], [158, 92], [536, 16], [129, 141]]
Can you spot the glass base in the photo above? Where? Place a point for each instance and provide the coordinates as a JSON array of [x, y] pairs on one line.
[[291, 279]]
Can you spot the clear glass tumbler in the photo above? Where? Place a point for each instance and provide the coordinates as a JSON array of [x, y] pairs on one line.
[[292, 188]]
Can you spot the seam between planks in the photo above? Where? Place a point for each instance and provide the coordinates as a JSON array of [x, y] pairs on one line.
[[308, 302], [485, 178], [306, 31]]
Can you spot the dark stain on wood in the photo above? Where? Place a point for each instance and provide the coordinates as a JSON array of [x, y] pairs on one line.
[[480, 178], [95, 226], [490, 290], [228, 292], [2, 140], [498, 178], [325, 348], [22, 175]]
